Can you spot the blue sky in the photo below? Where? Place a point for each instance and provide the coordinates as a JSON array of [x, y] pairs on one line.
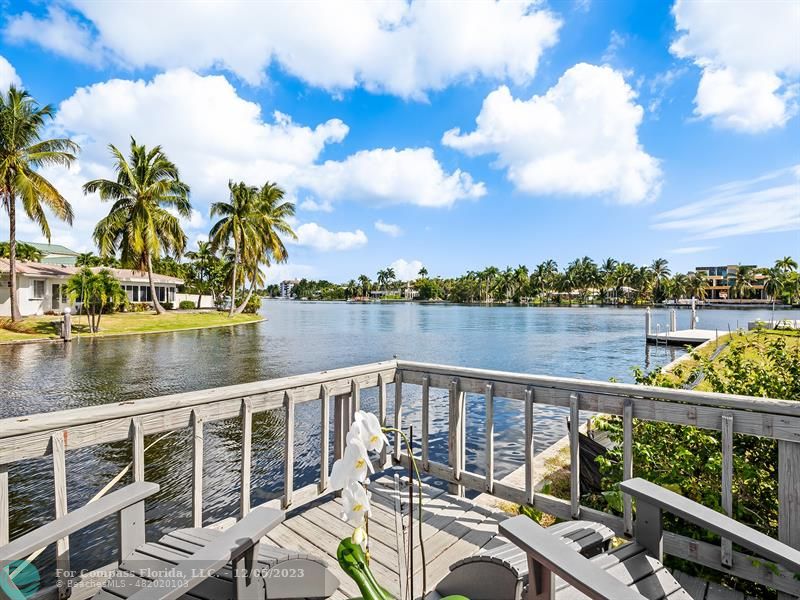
[[454, 135]]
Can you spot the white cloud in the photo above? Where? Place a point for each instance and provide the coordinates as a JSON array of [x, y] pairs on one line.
[[8, 75], [388, 228], [317, 237], [406, 270], [390, 176], [394, 46], [749, 53], [768, 203], [283, 271], [214, 135], [691, 249], [580, 138], [58, 32], [314, 206]]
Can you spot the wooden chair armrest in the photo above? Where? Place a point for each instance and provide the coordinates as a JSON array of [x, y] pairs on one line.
[[555, 556], [647, 492], [230, 546], [75, 521]]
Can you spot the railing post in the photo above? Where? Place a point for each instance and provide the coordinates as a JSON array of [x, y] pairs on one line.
[[398, 413], [726, 555], [455, 446], [60, 483], [4, 505], [627, 463], [324, 437], [529, 453], [197, 469], [355, 399], [426, 399], [137, 437], [247, 457], [340, 424], [575, 456], [788, 497], [384, 460], [288, 464], [489, 397]]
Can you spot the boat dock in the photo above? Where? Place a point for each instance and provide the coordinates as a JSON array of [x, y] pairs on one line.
[[674, 336], [683, 337]]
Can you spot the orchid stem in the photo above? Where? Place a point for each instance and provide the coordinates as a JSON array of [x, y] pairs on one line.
[[419, 489]]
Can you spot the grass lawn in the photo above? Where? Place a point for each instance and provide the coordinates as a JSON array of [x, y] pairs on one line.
[[33, 328], [750, 340]]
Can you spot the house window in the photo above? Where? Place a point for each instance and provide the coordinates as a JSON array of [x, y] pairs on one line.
[[38, 289], [161, 293], [171, 294], [144, 294]]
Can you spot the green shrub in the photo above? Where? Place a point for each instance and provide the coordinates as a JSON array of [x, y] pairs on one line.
[[167, 305], [186, 305], [688, 460], [252, 305]]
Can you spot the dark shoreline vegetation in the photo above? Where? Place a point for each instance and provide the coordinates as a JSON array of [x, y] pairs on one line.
[[760, 363], [582, 281]]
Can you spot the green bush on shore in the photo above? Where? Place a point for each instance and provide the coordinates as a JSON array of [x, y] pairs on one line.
[[688, 460]]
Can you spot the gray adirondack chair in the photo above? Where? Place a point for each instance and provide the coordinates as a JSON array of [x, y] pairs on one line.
[[214, 565], [632, 571], [500, 572]]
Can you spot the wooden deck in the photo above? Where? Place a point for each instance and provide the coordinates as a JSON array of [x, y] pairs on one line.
[[452, 527]]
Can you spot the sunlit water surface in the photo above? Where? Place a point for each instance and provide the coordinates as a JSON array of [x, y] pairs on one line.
[[299, 337]]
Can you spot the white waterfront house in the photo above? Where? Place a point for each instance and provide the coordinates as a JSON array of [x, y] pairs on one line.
[[41, 287]]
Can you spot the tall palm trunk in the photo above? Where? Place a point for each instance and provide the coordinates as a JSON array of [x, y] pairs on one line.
[[242, 306], [12, 252], [156, 304], [233, 279]]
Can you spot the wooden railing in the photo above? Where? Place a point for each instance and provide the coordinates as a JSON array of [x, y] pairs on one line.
[[729, 414], [53, 434]]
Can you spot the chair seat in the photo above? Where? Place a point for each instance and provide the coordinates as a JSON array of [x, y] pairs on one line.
[[500, 573], [631, 565], [284, 574]]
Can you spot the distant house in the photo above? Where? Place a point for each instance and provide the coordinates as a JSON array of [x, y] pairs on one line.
[[720, 280], [41, 287], [54, 254]]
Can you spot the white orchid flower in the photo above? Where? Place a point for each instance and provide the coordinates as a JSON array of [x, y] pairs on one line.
[[370, 431], [352, 467], [355, 505], [359, 537]]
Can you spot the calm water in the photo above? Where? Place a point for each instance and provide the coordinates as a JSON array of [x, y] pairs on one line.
[[591, 342]]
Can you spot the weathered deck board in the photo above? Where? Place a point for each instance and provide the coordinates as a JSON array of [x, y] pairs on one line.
[[452, 528]]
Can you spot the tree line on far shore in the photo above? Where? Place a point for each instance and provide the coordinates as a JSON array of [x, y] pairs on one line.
[[581, 281], [148, 200]]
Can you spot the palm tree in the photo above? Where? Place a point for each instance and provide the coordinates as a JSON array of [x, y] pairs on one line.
[[96, 292], [660, 272], [787, 263], [87, 259], [237, 226], [744, 281], [202, 260], [24, 251], [22, 151], [366, 285], [697, 285], [140, 222], [423, 273], [774, 283], [271, 214]]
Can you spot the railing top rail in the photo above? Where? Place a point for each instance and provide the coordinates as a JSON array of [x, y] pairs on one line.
[[731, 401], [15, 426]]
